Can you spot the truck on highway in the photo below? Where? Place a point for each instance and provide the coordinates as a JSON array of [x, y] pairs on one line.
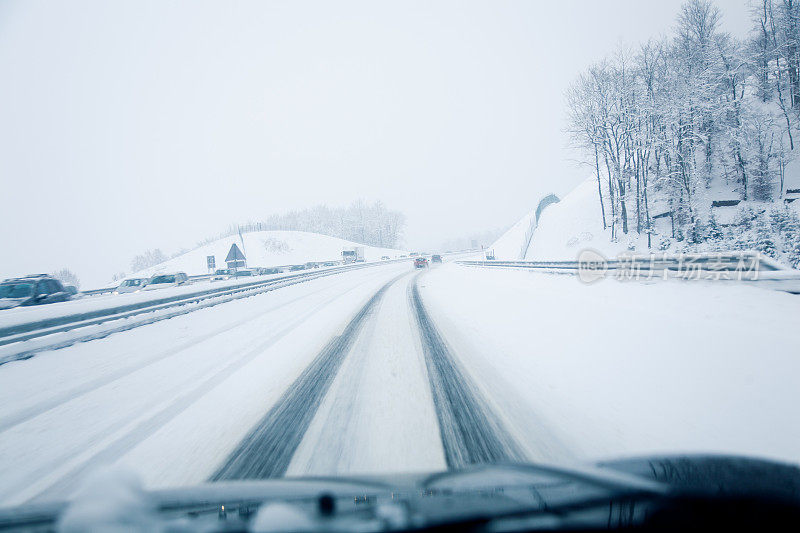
[[353, 255]]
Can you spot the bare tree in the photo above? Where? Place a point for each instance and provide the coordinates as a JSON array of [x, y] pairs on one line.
[[687, 114], [67, 277]]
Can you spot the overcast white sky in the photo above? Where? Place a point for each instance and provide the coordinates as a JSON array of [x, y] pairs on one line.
[[133, 125]]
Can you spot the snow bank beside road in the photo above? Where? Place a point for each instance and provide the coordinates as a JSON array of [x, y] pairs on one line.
[[618, 368]]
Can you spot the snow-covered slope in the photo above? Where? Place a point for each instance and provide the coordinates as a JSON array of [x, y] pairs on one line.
[[575, 223], [572, 225], [513, 244], [267, 249], [509, 246]]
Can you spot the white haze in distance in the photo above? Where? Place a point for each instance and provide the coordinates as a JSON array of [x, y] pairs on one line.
[[133, 125]]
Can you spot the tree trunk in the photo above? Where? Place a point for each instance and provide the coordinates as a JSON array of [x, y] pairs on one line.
[[599, 188]]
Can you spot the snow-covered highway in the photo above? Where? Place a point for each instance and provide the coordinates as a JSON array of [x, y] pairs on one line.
[[388, 369], [171, 398]]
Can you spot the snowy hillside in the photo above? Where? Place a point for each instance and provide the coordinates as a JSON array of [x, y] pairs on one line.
[[693, 140], [575, 223], [570, 226], [509, 246], [267, 249], [514, 243]]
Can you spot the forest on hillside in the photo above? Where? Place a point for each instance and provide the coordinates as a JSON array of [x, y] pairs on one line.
[[699, 128], [370, 224], [360, 222]]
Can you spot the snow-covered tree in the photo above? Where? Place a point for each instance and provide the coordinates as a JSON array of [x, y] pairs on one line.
[[67, 277], [681, 119], [147, 259]]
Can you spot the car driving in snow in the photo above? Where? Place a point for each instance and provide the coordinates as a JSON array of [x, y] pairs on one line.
[[162, 281], [131, 285], [436, 258], [222, 274], [420, 262], [37, 289]]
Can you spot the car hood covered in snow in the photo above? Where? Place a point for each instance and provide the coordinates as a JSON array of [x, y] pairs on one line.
[[625, 493]]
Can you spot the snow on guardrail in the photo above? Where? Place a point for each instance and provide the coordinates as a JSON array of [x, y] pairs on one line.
[[744, 267]]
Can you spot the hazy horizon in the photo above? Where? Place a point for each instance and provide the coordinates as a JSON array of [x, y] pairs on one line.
[[128, 126]]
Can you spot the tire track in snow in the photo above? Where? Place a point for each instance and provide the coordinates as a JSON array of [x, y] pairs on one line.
[[42, 407], [471, 433], [125, 434], [267, 451]]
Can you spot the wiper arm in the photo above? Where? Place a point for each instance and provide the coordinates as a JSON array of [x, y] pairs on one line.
[[601, 478]]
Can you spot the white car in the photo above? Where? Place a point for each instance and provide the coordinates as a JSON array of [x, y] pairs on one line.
[[131, 285], [162, 281]]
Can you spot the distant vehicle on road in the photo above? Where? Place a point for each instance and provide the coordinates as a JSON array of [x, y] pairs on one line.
[[32, 290], [329, 263], [353, 255], [222, 274], [420, 262], [385, 258], [131, 285], [295, 268], [162, 281], [436, 258], [490, 255], [413, 254]]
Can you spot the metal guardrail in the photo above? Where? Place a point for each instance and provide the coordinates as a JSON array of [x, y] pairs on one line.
[[655, 261], [92, 292], [30, 330], [749, 267]]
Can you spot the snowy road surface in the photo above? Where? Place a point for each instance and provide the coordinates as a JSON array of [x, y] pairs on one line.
[[391, 370]]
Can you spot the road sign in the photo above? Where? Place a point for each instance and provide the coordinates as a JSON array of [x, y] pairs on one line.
[[234, 254], [235, 257], [212, 262]]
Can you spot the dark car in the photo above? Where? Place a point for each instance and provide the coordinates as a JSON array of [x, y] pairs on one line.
[[436, 258], [32, 290], [420, 262]]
